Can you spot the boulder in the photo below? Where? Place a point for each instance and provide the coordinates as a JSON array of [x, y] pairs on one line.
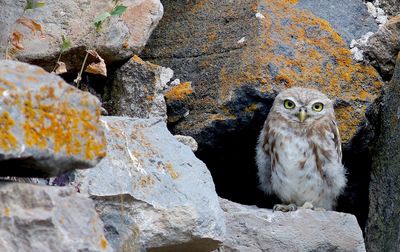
[[136, 90], [151, 191], [349, 18], [382, 47], [239, 55], [47, 126], [383, 227], [48, 219], [118, 39], [255, 229]]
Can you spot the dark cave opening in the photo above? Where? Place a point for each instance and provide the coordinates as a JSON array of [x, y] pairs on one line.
[[230, 159]]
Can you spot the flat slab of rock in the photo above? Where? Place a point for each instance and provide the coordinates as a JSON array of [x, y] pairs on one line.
[[118, 39], [48, 219], [151, 191], [251, 229], [47, 126]]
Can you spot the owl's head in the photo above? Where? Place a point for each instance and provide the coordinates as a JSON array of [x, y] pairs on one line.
[[302, 105]]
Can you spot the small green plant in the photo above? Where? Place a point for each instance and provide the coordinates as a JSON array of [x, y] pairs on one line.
[[117, 10], [60, 66], [32, 4]]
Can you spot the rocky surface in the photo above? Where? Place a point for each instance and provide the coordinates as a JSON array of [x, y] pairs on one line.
[[137, 90], [239, 55], [254, 229], [382, 47], [118, 39], [392, 7], [151, 191], [47, 126], [350, 18], [43, 218], [383, 227]]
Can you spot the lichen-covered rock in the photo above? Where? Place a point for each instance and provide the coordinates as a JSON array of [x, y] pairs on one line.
[[254, 229], [238, 55], [48, 219], [47, 126], [137, 90], [382, 47], [151, 191], [350, 18], [383, 227], [118, 39]]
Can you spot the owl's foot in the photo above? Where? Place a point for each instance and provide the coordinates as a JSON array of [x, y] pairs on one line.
[[284, 208], [309, 205]]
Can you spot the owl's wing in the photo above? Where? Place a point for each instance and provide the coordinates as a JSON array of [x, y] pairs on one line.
[[336, 139], [263, 161]]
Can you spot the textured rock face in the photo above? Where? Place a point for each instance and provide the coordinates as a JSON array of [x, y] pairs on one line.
[[47, 126], [137, 90], [238, 55], [383, 227], [119, 38], [392, 7], [151, 191], [42, 218], [253, 229], [350, 18], [382, 47]]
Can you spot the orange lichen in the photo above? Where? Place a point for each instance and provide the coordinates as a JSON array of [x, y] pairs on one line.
[[179, 92], [137, 59], [253, 107], [6, 212], [7, 139]]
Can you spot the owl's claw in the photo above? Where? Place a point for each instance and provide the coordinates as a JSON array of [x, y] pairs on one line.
[[285, 208]]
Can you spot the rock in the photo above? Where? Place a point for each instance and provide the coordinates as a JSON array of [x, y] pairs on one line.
[[383, 227], [382, 47], [151, 191], [137, 90], [188, 141], [47, 126], [232, 81], [255, 229], [118, 39], [392, 7], [43, 218], [350, 18]]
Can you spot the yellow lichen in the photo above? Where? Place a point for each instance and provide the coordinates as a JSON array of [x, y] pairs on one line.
[[7, 139], [6, 212], [103, 243], [179, 92], [171, 171], [253, 107]]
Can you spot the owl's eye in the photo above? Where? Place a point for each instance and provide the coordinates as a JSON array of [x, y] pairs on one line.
[[289, 104], [317, 107]]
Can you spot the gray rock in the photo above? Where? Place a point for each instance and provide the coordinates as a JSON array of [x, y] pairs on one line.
[[48, 219], [350, 18], [47, 126], [392, 7], [137, 90], [251, 229], [382, 47], [151, 191], [188, 141], [119, 38], [383, 227]]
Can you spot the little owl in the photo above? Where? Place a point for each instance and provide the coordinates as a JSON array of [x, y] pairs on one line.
[[299, 155]]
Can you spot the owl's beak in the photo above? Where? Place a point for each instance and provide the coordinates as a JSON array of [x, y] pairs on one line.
[[302, 115]]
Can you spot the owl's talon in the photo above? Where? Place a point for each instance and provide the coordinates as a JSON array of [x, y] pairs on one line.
[[284, 208]]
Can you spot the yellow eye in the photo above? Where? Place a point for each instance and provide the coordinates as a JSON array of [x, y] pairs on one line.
[[317, 107], [289, 104]]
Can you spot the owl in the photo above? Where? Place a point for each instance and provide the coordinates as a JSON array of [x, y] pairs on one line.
[[298, 154]]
